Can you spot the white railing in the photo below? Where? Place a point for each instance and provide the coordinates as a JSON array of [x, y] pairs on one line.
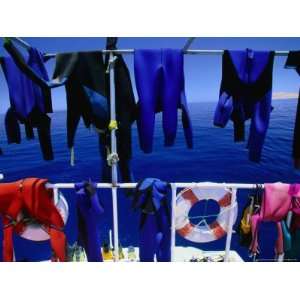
[[174, 186]]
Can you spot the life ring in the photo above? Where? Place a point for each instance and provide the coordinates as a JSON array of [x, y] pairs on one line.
[[208, 232], [36, 232]]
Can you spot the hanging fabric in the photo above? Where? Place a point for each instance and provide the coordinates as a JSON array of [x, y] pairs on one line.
[[29, 104], [246, 93], [155, 220], [278, 200], [159, 76], [89, 213], [30, 197]]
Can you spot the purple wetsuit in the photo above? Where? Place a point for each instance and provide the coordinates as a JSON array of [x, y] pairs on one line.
[[89, 212], [29, 104], [159, 77]]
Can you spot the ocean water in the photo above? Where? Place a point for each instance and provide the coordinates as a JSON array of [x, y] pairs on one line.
[[215, 158]]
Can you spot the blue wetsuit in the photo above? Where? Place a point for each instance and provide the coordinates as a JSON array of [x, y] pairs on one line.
[[159, 79], [89, 212], [29, 103], [155, 220], [246, 93]]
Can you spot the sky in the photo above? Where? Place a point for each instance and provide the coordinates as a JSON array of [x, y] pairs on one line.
[[202, 72]]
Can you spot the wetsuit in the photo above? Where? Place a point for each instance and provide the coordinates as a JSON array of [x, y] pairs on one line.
[[246, 93], [29, 105], [155, 220], [293, 62], [89, 212], [87, 97], [30, 196], [85, 89], [159, 77]]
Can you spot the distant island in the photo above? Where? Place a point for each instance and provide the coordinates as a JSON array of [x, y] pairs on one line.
[[285, 96]]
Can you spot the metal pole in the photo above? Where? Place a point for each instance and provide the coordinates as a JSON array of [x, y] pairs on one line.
[[188, 52], [173, 218], [230, 225], [204, 185], [114, 170], [188, 43], [55, 195]]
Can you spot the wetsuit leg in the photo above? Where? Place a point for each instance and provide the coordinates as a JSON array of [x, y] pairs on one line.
[[173, 77], [164, 247], [259, 125], [28, 131], [146, 70], [148, 239], [186, 121], [43, 123], [12, 127], [73, 113]]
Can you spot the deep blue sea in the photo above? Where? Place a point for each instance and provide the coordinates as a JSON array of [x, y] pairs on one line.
[[215, 157]]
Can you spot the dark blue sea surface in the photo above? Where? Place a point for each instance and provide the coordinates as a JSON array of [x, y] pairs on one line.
[[215, 158]]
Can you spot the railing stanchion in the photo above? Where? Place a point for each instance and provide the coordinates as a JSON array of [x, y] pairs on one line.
[[173, 217], [230, 225], [114, 170]]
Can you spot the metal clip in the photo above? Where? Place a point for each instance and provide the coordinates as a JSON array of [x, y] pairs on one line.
[[111, 63], [112, 158]]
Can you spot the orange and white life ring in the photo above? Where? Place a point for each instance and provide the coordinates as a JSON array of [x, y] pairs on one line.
[[208, 232]]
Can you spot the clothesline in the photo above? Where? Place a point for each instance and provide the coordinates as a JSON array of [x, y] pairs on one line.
[[131, 51]]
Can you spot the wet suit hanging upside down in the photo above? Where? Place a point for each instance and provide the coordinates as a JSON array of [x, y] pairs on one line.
[[159, 80]]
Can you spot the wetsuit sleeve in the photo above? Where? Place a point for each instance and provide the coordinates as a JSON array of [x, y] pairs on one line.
[[145, 70], [12, 127], [43, 123], [223, 110], [293, 61], [259, 125], [186, 121], [28, 70]]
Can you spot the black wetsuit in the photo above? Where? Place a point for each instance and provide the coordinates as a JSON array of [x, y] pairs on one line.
[[87, 89]]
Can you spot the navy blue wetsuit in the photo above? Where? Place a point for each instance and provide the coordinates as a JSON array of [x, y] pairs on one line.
[[89, 212], [29, 102], [246, 93], [155, 220], [159, 77]]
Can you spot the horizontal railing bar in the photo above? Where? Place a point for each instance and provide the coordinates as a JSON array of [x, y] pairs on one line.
[[176, 184], [189, 51]]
